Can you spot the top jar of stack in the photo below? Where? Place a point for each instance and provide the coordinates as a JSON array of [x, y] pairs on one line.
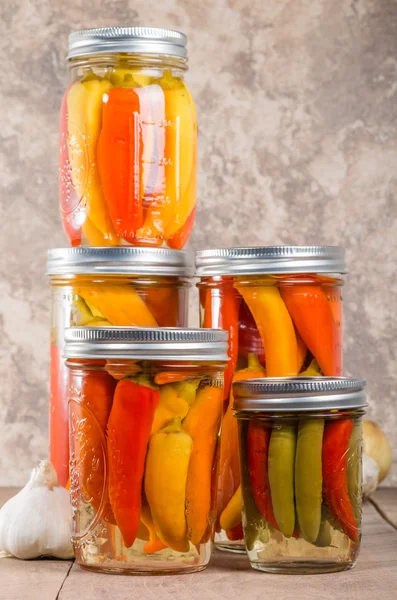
[[282, 307], [128, 139]]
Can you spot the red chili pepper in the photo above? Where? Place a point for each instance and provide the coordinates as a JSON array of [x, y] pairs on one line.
[[312, 316], [129, 427], [258, 438], [59, 427], [89, 418], [236, 533], [335, 488], [221, 311], [69, 202], [250, 341], [120, 150]]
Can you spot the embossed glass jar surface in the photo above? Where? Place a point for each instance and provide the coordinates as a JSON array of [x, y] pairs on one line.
[[145, 408], [127, 171], [108, 286], [301, 461], [282, 307]]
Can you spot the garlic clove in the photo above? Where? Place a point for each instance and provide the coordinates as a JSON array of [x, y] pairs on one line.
[[370, 475], [377, 445], [36, 522]]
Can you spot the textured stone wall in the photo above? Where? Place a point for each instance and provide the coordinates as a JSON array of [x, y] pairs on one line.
[[298, 144]]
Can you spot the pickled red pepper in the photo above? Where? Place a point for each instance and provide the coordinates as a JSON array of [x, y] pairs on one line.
[[202, 424], [91, 415], [228, 319], [312, 315], [275, 327], [229, 465], [129, 428], [119, 154], [258, 438], [335, 484]]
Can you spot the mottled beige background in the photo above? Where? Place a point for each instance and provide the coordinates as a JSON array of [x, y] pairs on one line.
[[297, 105]]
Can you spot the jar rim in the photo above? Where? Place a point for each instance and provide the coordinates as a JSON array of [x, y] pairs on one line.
[[120, 260], [258, 260], [130, 40], [146, 343], [298, 394]]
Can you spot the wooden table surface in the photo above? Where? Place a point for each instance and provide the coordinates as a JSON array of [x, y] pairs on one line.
[[228, 576]]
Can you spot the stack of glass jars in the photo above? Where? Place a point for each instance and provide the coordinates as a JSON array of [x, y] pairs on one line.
[[145, 396]]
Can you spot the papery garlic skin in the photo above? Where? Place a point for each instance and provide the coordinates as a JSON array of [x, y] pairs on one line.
[[36, 522], [370, 475]]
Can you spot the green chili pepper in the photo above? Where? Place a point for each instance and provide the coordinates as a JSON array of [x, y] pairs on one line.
[[308, 477], [324, 537], [281, 464]]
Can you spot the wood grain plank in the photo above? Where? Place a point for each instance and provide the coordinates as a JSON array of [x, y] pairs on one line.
[[33, 579], [385, 501], [229, 576]]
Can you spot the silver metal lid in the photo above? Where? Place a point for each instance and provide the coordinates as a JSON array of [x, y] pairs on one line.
[[120, 260], [135, 40], [270, 259], [298, 394], [146, 343]]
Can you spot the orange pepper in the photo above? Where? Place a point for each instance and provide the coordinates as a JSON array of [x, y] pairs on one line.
[[163, 304], [180, 237], [312, 315], [275, 327], [202, 424], [229, 465], [164, 377]]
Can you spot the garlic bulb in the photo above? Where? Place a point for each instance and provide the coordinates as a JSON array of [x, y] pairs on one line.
[[377, 446], [370, 475], [36, 522]]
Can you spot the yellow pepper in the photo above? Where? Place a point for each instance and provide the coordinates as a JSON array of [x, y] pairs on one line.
[[120, 305], [175, 401], [84, 107], [180, 154], [275, 327], [231, 516], [166, 472], [313, 370]]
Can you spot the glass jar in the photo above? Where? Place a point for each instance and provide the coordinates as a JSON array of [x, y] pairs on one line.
[[282, 307], [145, 408], [144, 287], [128, 138], [301, 461]]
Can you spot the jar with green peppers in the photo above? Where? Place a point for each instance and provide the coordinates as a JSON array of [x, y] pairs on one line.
[[145, 410], [282, 308], [301, 460], [128, 137]]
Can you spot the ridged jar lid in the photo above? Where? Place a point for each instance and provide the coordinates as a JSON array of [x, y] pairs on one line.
[[259, 260], [134, 40], [150, 343], [120, 260], [298, 394]]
